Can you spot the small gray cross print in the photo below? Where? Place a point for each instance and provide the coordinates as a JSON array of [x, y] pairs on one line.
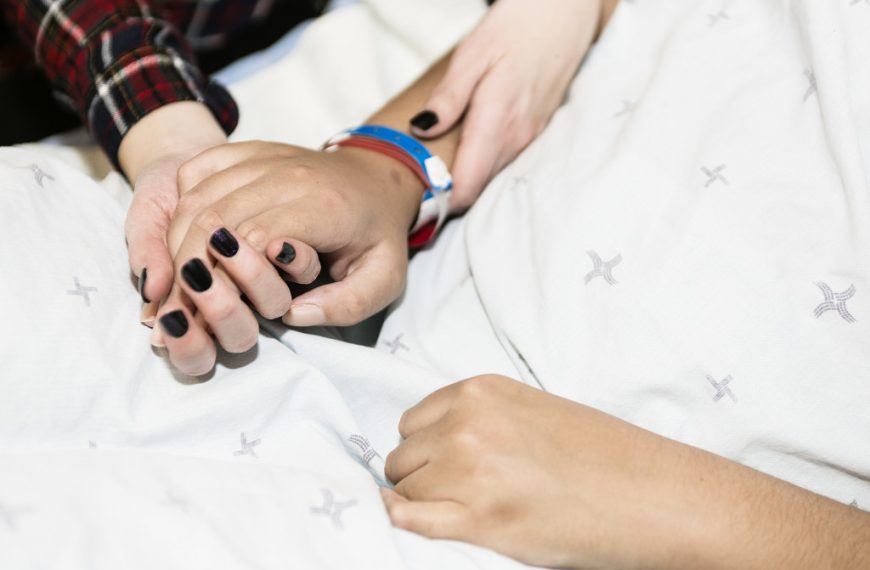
[[247, 447], [627, 107], [39, 174], [835, 302], [9, 515], [92, 444], [854, 504], [813, 86], [177, 501], [602, 268], [331, 508], [396, 344], [368, 452], [715, 175], [714, 18], [85, 292], [722, 388]]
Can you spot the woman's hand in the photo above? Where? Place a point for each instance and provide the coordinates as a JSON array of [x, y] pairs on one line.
[[551, 482], [507, 78], [353, 206], [150, 155]]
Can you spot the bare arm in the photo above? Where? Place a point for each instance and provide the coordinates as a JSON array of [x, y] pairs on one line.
[[552, 482]]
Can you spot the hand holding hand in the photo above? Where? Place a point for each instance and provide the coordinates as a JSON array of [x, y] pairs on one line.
[[150, 155], [354, 206]]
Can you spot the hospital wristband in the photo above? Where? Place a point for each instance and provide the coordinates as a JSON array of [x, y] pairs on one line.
[[430, 169]]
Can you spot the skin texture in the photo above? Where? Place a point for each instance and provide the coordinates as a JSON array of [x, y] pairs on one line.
[[246, 187], [506, 80], [554, 483], [354, 206]]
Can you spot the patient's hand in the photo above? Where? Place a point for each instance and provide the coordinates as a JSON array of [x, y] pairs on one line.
[[353, 206], [552, 482], [507, 78]]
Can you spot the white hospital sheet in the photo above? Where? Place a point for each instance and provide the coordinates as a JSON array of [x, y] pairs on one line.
[[685, 247]]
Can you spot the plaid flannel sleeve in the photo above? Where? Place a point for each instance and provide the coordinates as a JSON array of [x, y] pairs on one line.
[[114, 61]]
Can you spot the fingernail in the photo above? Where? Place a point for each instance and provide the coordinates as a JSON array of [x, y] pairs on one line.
[[157, 338], [287, 255], [306, 315], [425, 120], [174, 323], [196, 275], [224, 242], [148, 315], [142, 279]]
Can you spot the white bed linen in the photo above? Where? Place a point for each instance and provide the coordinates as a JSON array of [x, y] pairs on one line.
[[109, 460]]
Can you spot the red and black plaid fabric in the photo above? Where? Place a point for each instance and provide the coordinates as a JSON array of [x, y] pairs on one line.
[[114, 61]]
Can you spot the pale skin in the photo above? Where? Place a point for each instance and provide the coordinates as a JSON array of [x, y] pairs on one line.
[[551, 482], [267, 194], [605, 493]]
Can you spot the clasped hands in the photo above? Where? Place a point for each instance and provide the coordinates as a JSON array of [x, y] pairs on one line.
[[246, 218]]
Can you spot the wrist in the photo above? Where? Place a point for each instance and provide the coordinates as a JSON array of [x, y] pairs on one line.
[[399, 189], [180, 129]]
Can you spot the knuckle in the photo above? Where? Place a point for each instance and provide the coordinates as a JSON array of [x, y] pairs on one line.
[[255, 234], [208, 221], [187, 176], [221, 309]]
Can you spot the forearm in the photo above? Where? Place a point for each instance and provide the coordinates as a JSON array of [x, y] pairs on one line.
[[729, 516]]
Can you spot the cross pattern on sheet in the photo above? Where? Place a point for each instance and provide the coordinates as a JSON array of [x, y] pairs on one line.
[[715, 175], [331, 508], [177, 501], [39, 175], [715, 18], [84, 292], [854, 504], [627, 107], [602, 268], [722, 388], [9, 515], [92, 444], [835, 302], [396, 344], [365, 446], [247, 447], [813, 84]]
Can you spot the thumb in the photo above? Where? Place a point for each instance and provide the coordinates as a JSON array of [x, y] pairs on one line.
[[450, 98], [436, 519], [377, 280], [147, 252]]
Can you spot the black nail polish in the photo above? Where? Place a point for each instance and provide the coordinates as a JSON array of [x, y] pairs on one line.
[[196, 275], [174, 323], [425, 120], [224, 242], [287, 255], [142, 279]]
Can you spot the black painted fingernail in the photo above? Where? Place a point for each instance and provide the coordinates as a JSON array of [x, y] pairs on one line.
[[174, 323], [425, 120], [224, 242], [287, 255], [196, 275], [142, 279]]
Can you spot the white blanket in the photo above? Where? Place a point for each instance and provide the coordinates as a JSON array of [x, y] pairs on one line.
[[686, 247]]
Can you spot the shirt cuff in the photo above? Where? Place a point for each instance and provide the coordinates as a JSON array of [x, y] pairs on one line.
[[144, 81]]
